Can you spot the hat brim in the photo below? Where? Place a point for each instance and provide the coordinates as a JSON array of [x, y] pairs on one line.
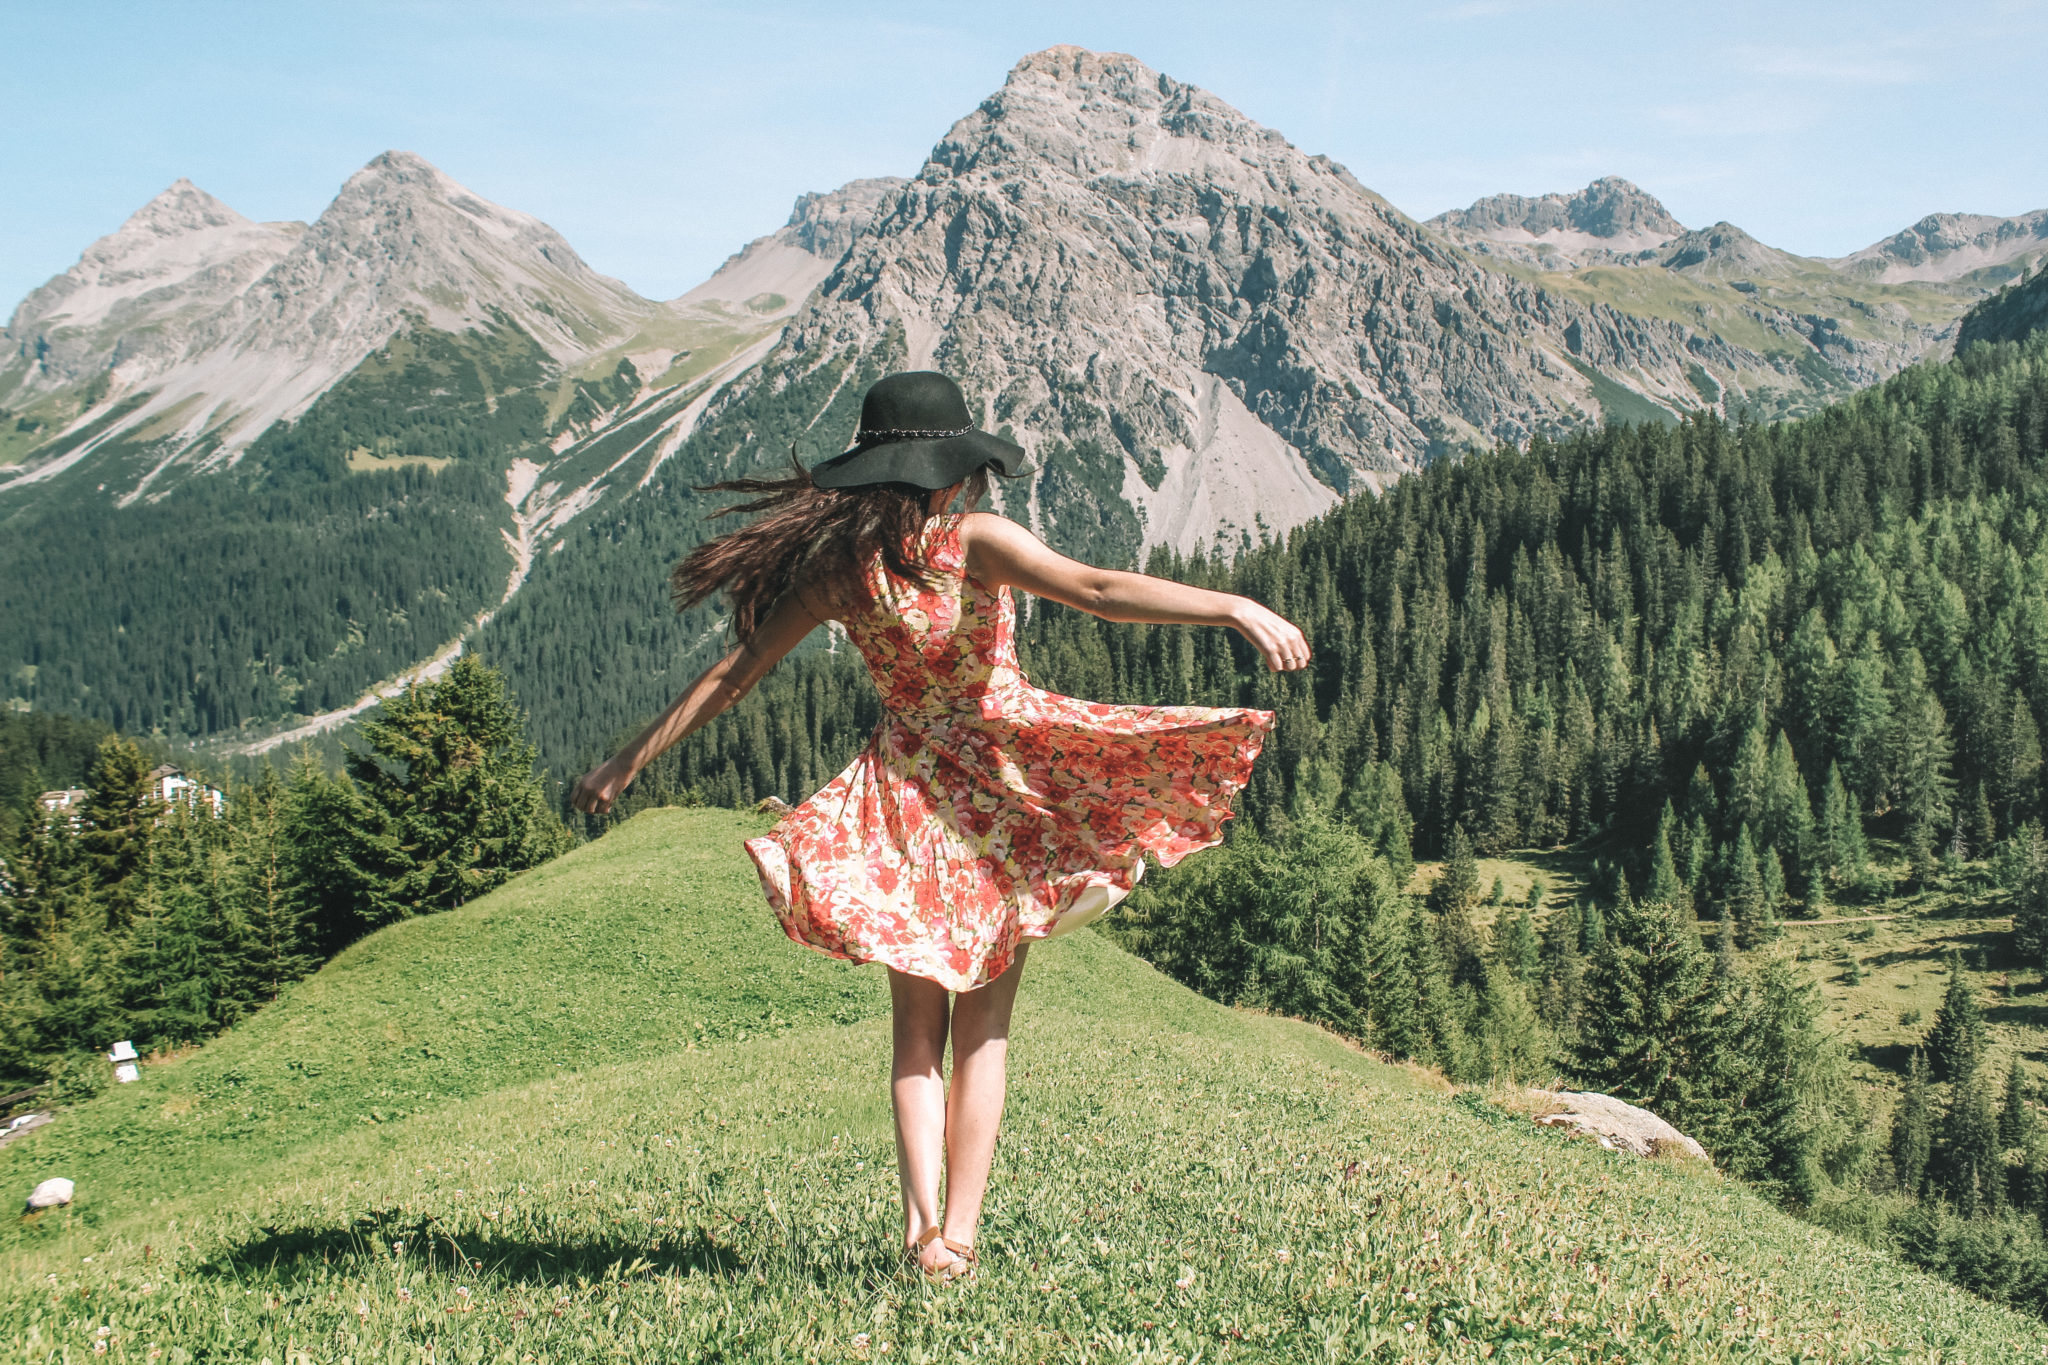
[[932, 464]]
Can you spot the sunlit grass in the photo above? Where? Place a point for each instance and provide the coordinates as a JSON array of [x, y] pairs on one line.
[[1177, 1181]]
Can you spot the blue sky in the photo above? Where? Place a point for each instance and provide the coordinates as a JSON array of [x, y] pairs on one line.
[[660, 136]]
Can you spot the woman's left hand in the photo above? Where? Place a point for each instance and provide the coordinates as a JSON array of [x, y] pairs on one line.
[[598, 788]]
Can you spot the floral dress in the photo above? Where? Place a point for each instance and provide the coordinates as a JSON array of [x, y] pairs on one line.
[[985, 811]]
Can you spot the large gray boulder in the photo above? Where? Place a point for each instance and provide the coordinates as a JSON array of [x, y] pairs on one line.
[[1617, 1126]]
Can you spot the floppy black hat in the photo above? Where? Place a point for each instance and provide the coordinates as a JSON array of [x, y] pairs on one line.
[[914, 429]]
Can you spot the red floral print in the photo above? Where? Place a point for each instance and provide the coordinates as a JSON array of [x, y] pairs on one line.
[[986, 811]]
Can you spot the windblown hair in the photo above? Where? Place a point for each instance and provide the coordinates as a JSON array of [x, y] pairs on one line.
[[800, 534]]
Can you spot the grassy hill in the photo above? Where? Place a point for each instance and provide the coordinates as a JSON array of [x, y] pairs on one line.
[[609, 1113]]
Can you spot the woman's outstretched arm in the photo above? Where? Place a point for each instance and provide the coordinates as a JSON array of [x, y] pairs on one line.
[[716, 689], [999, 551]]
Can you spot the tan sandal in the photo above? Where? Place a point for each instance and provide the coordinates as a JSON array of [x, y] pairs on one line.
[[962, 1264], [961, 1267]]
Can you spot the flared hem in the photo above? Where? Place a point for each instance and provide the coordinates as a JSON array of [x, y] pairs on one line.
[[824, 908]]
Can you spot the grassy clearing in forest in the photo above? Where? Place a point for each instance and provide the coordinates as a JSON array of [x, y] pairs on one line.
[[1177, 1181]]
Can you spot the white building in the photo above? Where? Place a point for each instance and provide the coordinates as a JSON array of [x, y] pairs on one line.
[[69, 803], [168, 784]]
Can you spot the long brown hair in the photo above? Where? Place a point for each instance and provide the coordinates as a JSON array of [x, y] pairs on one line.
[[798, 532]]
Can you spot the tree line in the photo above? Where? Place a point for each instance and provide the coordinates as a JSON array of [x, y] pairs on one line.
[[161, 922]]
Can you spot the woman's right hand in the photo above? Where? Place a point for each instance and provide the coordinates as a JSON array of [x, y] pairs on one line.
[[1278, 639], [598, 788]]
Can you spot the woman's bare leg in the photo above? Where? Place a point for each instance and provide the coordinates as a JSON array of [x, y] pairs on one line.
[[974, 1104], [918, 1088]]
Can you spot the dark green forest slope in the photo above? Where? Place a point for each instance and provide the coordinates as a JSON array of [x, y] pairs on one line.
[[289, 583], [2011, 314]]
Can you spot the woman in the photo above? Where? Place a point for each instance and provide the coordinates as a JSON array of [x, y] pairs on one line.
[[984, 813]]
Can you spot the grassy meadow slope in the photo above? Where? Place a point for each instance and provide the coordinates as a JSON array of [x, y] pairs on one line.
[[595, 1178]]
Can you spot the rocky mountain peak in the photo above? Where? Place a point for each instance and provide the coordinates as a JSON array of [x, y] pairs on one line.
[[1087, 114], [1722, 250], [182, 208], [1947, 246], [1202, 329], [1611, 214], [136, 292]]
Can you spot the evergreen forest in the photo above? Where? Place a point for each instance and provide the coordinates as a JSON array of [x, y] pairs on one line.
[[163, 922]]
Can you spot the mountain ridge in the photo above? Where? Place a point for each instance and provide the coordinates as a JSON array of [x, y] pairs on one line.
[[1205, 333]]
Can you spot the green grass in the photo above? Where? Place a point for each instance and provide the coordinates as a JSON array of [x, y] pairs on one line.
[[1619, 404], [1900, 943], [595, 1178]]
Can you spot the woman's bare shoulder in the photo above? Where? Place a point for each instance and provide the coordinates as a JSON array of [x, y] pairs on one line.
[[995, 527]]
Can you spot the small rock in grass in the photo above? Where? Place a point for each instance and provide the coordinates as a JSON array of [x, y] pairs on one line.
[[52, 1193]]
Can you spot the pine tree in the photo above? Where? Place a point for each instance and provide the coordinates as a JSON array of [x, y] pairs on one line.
[[1787, 824], [1517, 946], [1912, 1128], [119, 814], [1968, 1166], [448, 806], [1592, 928], [1955, 1042], [1665, 887], [1981, 828], [1726, 965], [1744, 902], [1510, 1040], [1700, 801], [273, 905], [1749, 777], [1698, 870], [1377, 809], [1456, 889], [2021, 867], [1648, 1031], [2016, 1125], [1920, 752], [1564, 971], [1772, 873], [1411, 1004], [1788, 1100]]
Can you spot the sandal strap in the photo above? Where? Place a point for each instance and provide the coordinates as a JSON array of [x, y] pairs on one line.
[[926, 1238], [964, 1250]]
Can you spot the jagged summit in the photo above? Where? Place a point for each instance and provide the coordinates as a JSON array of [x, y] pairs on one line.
[[1188, 314], [136, 292], [1948, 246], [1616, 212], [1608, 221], [403, 237], [227, 326], [182, 208], [1723, 251]]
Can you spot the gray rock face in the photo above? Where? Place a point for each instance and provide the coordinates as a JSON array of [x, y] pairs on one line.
[[1610, 217], [1183, 311], [1948, 246], [229, 326], [136, 295], [1723, 251], [826, 224]]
